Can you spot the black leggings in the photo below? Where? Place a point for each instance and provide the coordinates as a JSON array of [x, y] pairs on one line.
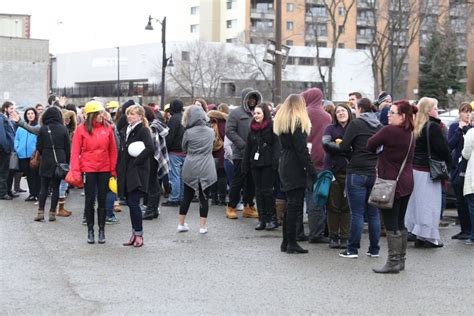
[[96, 183], [45, 183], [188, 197], [394, 218]]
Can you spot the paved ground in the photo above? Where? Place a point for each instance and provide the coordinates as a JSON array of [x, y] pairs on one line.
[[48, 268]]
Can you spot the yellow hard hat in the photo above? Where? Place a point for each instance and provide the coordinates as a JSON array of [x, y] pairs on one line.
[[167, 107], [112, 105], [93, 106], [472, 105], [113, 185]]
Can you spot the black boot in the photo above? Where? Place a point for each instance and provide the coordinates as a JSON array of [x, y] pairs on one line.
[[272, 224], [90, 235], [293, 246], [156, 213], [260, 226], [284, 242], [394, 241], [403, 249], [101, 213], [334, 242], [148, 215]]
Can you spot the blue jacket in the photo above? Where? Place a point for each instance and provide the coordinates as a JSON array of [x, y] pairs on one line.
[[25, 143], [7, 134]]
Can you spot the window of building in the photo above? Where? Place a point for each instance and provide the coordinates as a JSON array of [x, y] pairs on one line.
[[194, 28], [324, 62], [322, 44], [291, 60], [231, 24], [289, 25], [342, 11], [290, 7], [289, 42], [231, 4], [341, 45], [362, 46], [194, 10], [305, 61], [231, 40], [341, 29], [185, 56]]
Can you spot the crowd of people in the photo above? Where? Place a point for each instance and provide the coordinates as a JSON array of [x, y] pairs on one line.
[[256, 158]]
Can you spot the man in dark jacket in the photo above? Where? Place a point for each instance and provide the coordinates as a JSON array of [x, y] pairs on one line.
[[237, 130], [175, 152], [7, 136]]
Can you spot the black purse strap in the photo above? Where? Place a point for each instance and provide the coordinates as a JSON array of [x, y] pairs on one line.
[[406, 157], [52, 143], [428, 138]]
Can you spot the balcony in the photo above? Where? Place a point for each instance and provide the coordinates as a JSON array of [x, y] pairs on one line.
[[365, 38], [459, 10], [266, 14], [365, 22], [266, 32], [367, 4]]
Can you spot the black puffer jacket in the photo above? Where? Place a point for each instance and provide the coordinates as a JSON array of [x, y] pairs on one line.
[[176, 132], [53, 119], [438, 145], [263, 141]]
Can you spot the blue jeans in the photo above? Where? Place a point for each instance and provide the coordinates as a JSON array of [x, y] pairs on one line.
[[358, 189], [470, 202], [229, 171], [109, 203], [133, 201], [62, 189], [176, 166]]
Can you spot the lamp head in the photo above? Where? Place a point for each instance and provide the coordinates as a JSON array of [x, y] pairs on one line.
[[450, 90], [149, 27], [170, 62]]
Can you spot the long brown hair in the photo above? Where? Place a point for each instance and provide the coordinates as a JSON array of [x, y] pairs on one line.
[[404, 107], [90, 119]]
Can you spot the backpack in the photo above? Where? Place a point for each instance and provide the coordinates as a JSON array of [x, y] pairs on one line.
[[218, 142], [321, 188]]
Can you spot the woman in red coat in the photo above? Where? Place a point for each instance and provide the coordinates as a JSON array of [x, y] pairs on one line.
[[94, 153]]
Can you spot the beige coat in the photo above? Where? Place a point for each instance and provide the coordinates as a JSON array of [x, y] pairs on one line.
[[466, 153]]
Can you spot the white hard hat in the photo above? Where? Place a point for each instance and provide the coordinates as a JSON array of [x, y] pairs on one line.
[[136, 148]]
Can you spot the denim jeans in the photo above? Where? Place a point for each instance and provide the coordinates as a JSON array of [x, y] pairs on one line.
[[62, 189], [358, 189], [176, 166], [470, 203], [133, 201], [229, 171], [109, 203]]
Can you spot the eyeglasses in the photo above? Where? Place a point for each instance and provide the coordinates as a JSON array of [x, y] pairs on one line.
[[392, 113]]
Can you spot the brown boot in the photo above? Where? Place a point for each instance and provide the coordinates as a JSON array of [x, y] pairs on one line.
[[40, 216], [231, 213], [117, 208], [61, 210], [280, 210], [250, 212]]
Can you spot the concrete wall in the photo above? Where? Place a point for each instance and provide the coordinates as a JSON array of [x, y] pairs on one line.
[[24, 71]]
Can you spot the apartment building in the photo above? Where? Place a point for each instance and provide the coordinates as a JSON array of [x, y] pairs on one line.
[[310, 23], [15, 25]]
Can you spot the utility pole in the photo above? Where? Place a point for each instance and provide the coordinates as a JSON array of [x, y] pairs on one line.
[[278, 54], [163, 63], [118, 74]]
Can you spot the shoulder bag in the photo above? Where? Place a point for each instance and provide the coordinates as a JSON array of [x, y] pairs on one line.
[[35, 160], [62, 168], [14, 163], [438, 168], [383, 191]]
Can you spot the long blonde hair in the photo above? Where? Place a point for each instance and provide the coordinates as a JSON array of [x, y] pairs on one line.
[[138, 109], [425, 105], [291, 115]]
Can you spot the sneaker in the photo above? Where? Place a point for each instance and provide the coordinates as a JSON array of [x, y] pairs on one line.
[[111, 220], [469, 242], [203, 230], [348, 254], [170, 203], [183, 228], [84, 221], [239, 207], [372, 255]]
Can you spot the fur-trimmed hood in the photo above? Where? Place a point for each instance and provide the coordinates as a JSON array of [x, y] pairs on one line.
[[72, 120], [217, 115]]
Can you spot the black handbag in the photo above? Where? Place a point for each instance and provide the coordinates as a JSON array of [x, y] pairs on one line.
[[62, 168], [438, 168], [383, 192]]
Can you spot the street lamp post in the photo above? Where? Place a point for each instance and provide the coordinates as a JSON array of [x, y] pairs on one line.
[[165, 60], [450, 93], [118, 74]]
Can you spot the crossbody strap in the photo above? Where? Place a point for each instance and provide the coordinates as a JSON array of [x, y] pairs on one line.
[[428, 138], [406, 157], [52, 143]]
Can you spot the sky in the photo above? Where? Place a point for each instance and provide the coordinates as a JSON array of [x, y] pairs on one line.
[[73, 26]]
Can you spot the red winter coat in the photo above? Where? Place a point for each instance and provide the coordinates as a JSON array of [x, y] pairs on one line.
[[94, 152]]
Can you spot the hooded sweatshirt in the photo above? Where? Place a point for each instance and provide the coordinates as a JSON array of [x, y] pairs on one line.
[[176, 130], [319, 120], [358, 132], [238, 123], [123, 119]]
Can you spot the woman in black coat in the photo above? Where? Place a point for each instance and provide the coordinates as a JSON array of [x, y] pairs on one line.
[[134, 167], [261, 158], [52, 128], [296, 169]]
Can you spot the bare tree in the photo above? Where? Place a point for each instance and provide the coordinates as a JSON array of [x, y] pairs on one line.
[[201, 69]]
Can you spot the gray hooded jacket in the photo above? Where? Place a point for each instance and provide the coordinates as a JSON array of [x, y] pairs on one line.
[[199, 166], [238, 123]]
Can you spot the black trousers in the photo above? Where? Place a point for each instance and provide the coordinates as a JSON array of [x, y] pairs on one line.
[[239, 182], [219, 188], [188, 197], [32, 177], [4, 165], [96, 182], [463, 208], [294, 209], [152, 198], [394, 218], [264, 178], [46, 182]]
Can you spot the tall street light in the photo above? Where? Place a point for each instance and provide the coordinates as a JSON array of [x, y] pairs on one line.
[[165, 60]]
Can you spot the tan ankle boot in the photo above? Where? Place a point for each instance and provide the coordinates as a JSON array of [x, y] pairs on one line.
[[250, 212], [280, 210], [40, 216], [61, 210], [231, 213]]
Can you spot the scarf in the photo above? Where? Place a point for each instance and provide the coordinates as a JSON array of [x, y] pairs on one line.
[[160, 130], [257, 126]]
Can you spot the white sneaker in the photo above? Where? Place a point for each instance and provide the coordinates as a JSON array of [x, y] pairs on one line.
[[239, 207], [183, 228], [203, 230]]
